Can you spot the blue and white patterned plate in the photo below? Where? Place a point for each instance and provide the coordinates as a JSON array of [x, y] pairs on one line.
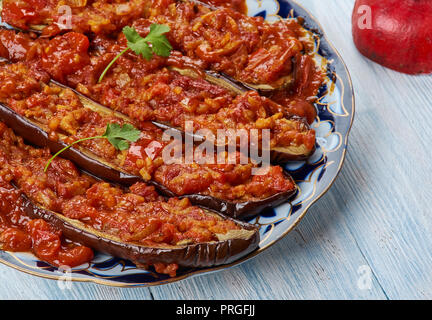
[[314, 176]]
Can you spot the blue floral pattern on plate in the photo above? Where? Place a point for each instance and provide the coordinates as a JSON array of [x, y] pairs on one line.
[[314, 177]]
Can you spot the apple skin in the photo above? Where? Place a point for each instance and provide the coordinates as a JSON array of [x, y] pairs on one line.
[[395, 33]]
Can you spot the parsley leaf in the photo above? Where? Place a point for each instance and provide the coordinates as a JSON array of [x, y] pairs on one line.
[[131, 34], [137, 44], [118, 136], [155, 42], [160, 43]]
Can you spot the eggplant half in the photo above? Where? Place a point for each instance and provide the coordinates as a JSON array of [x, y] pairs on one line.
[[277, 154], [35, 134], [293, 153], [228, 248], [234, 86], [283, 83]]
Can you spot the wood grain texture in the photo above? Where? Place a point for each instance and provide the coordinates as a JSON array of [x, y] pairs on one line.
[[375, 218]]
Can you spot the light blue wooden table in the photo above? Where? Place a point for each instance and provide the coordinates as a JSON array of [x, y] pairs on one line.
[[369, 237]]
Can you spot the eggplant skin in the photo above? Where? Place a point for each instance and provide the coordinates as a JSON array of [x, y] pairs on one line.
[[278, 156], [241, 210], [195, 255], [236, 210]]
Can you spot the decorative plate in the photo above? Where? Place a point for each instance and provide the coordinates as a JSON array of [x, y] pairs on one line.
[[314, 177]]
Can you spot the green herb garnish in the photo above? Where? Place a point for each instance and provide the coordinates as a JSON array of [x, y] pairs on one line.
[[118, 136], [141, 46]]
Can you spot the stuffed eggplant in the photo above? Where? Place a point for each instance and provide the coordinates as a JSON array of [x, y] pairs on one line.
[[274, 59], [135, 223], [225, 248], [50, 115]]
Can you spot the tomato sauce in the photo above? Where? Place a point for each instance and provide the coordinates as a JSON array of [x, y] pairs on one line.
[[247, 48], [19, 233], [22, 13], [238, 5]]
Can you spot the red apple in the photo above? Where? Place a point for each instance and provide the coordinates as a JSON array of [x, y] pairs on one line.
[[395, 33]]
